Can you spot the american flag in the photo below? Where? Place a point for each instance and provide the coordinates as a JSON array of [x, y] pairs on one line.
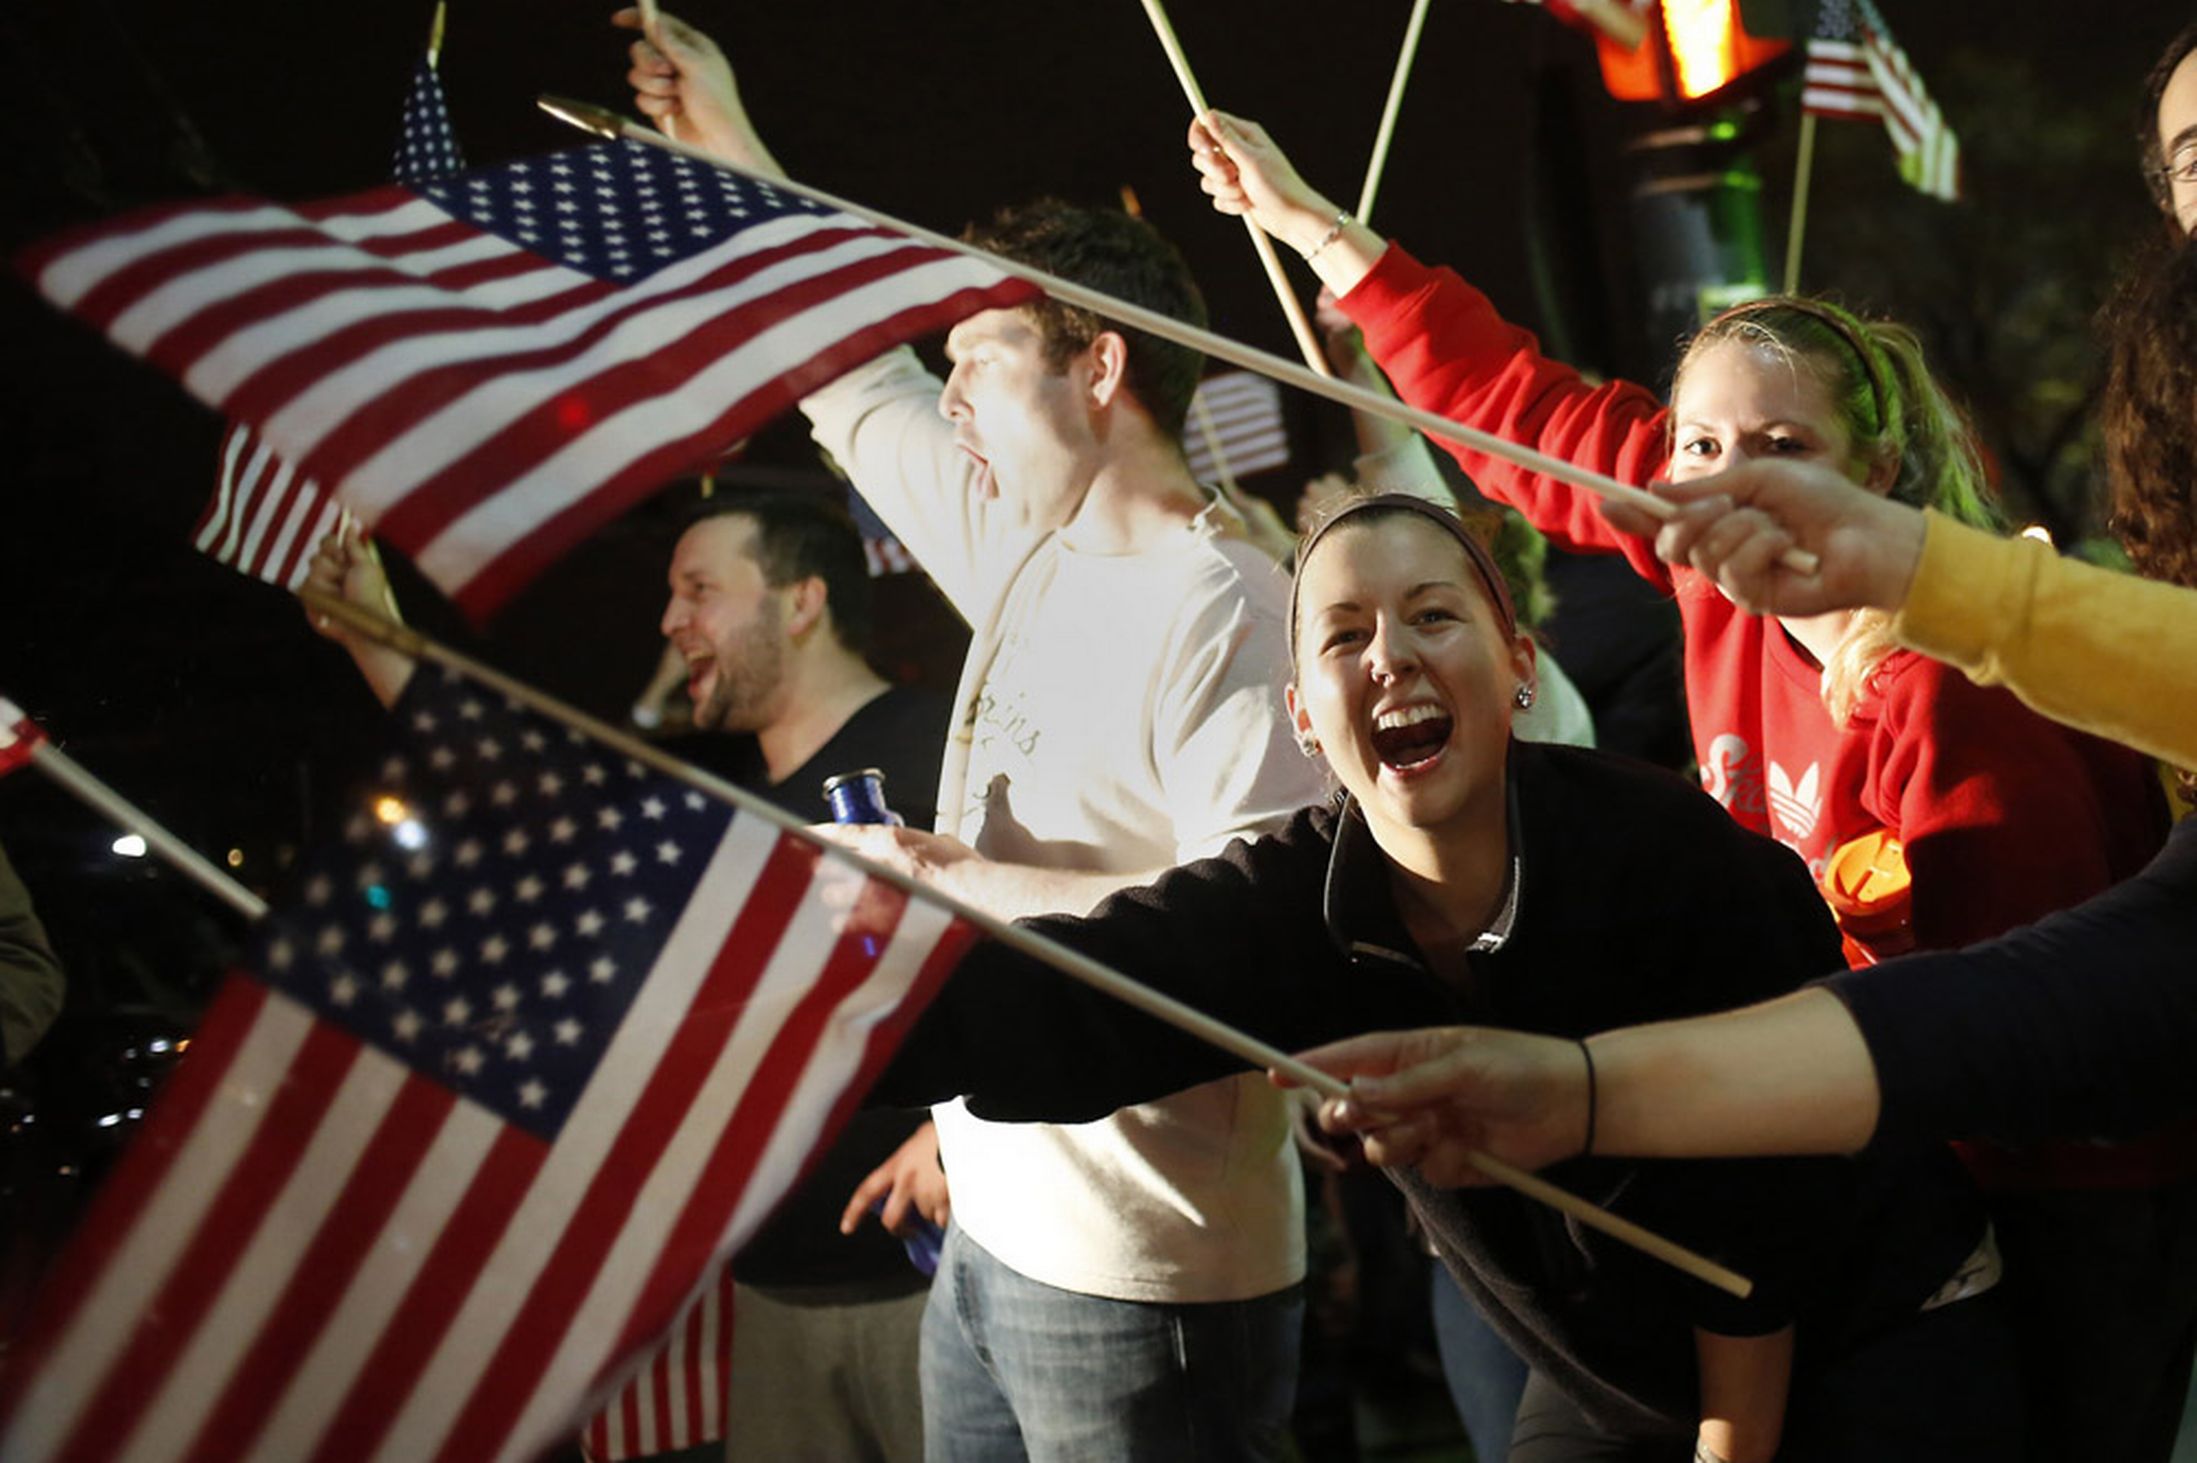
[[265, 517], [1856, 71], [485, 367], [19, 736], [1248, 436], [540, 1039], [679, 1399]]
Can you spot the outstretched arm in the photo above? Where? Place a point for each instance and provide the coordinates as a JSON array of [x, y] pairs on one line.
[[1247, 174], [1790, 1076], [2103, 651], [1446, 349], [1736, 527]]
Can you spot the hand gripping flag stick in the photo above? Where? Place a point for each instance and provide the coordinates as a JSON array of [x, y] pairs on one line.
[[605, 123], [1069, 962]]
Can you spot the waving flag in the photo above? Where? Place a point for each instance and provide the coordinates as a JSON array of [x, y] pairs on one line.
[[1856, 71], [485, 367], [19, 736], [541, 1039], [265, 517]]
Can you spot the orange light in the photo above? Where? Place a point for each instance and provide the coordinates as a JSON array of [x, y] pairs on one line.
[[1704, 38], [389, 809], [1708, 50]]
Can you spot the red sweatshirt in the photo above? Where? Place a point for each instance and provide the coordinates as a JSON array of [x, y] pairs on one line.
[[2005, 816]]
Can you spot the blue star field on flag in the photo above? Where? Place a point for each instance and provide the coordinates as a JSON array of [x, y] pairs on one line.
[[496, 903], [427, 147], [615, 212]]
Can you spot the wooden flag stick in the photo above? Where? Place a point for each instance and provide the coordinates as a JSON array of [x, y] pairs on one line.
[[1049, 952], [1292, 307], [1395, 104], [606, 123], [124, 814], [434, 34], [1797, 229], [1202, 415]]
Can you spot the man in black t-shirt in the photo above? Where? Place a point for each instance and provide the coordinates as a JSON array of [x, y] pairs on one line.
[[770, 608]]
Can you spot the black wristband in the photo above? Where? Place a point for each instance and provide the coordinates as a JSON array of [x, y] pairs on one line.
[[1586, 1149]]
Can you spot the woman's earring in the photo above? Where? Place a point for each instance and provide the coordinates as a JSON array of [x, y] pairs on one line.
[[1308, 744], [1524, 698]]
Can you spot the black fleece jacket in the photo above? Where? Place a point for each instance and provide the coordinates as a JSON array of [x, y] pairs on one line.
[[1639, 899]]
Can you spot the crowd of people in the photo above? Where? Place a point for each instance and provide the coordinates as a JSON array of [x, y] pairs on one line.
[[1890, 1014]]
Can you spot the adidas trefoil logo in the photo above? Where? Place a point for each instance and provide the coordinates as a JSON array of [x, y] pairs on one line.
[[1797, 806]]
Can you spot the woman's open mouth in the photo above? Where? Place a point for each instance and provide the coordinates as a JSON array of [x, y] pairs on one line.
[[1411, 737]]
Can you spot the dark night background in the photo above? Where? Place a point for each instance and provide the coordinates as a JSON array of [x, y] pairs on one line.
[[202, 694]]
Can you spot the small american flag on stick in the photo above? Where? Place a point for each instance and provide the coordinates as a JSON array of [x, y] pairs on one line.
[[1856, 71], [539, 1041]]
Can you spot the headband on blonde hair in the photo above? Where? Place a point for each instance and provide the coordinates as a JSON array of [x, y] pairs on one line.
[[1834, 320], [1483, 560]]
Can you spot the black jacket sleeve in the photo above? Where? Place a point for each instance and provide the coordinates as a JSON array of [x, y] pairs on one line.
[[1239, 937]]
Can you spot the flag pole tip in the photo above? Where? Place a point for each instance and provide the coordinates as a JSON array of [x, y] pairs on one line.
[[586, 116]]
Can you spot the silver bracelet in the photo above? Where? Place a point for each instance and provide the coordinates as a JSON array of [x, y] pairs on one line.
[[1334, 232]]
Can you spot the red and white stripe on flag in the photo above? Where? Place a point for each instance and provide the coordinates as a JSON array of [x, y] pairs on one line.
[[679, 1398], [264, 518], [1837, 81], [1856, 70], [19, 736], [486, 367], [888, 555], [1929, 152], [1247, 433], [393, 1208]]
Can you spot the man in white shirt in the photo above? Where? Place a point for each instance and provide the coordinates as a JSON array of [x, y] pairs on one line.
[[1127, 1288]]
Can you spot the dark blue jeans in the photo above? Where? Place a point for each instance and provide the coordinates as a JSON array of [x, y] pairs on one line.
[[1485, 1376], [1014, 1369]]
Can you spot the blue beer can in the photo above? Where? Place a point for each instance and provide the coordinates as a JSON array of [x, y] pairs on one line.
[[859, 797]]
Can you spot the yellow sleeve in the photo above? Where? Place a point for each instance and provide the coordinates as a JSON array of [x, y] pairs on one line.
[[2103, 651]]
